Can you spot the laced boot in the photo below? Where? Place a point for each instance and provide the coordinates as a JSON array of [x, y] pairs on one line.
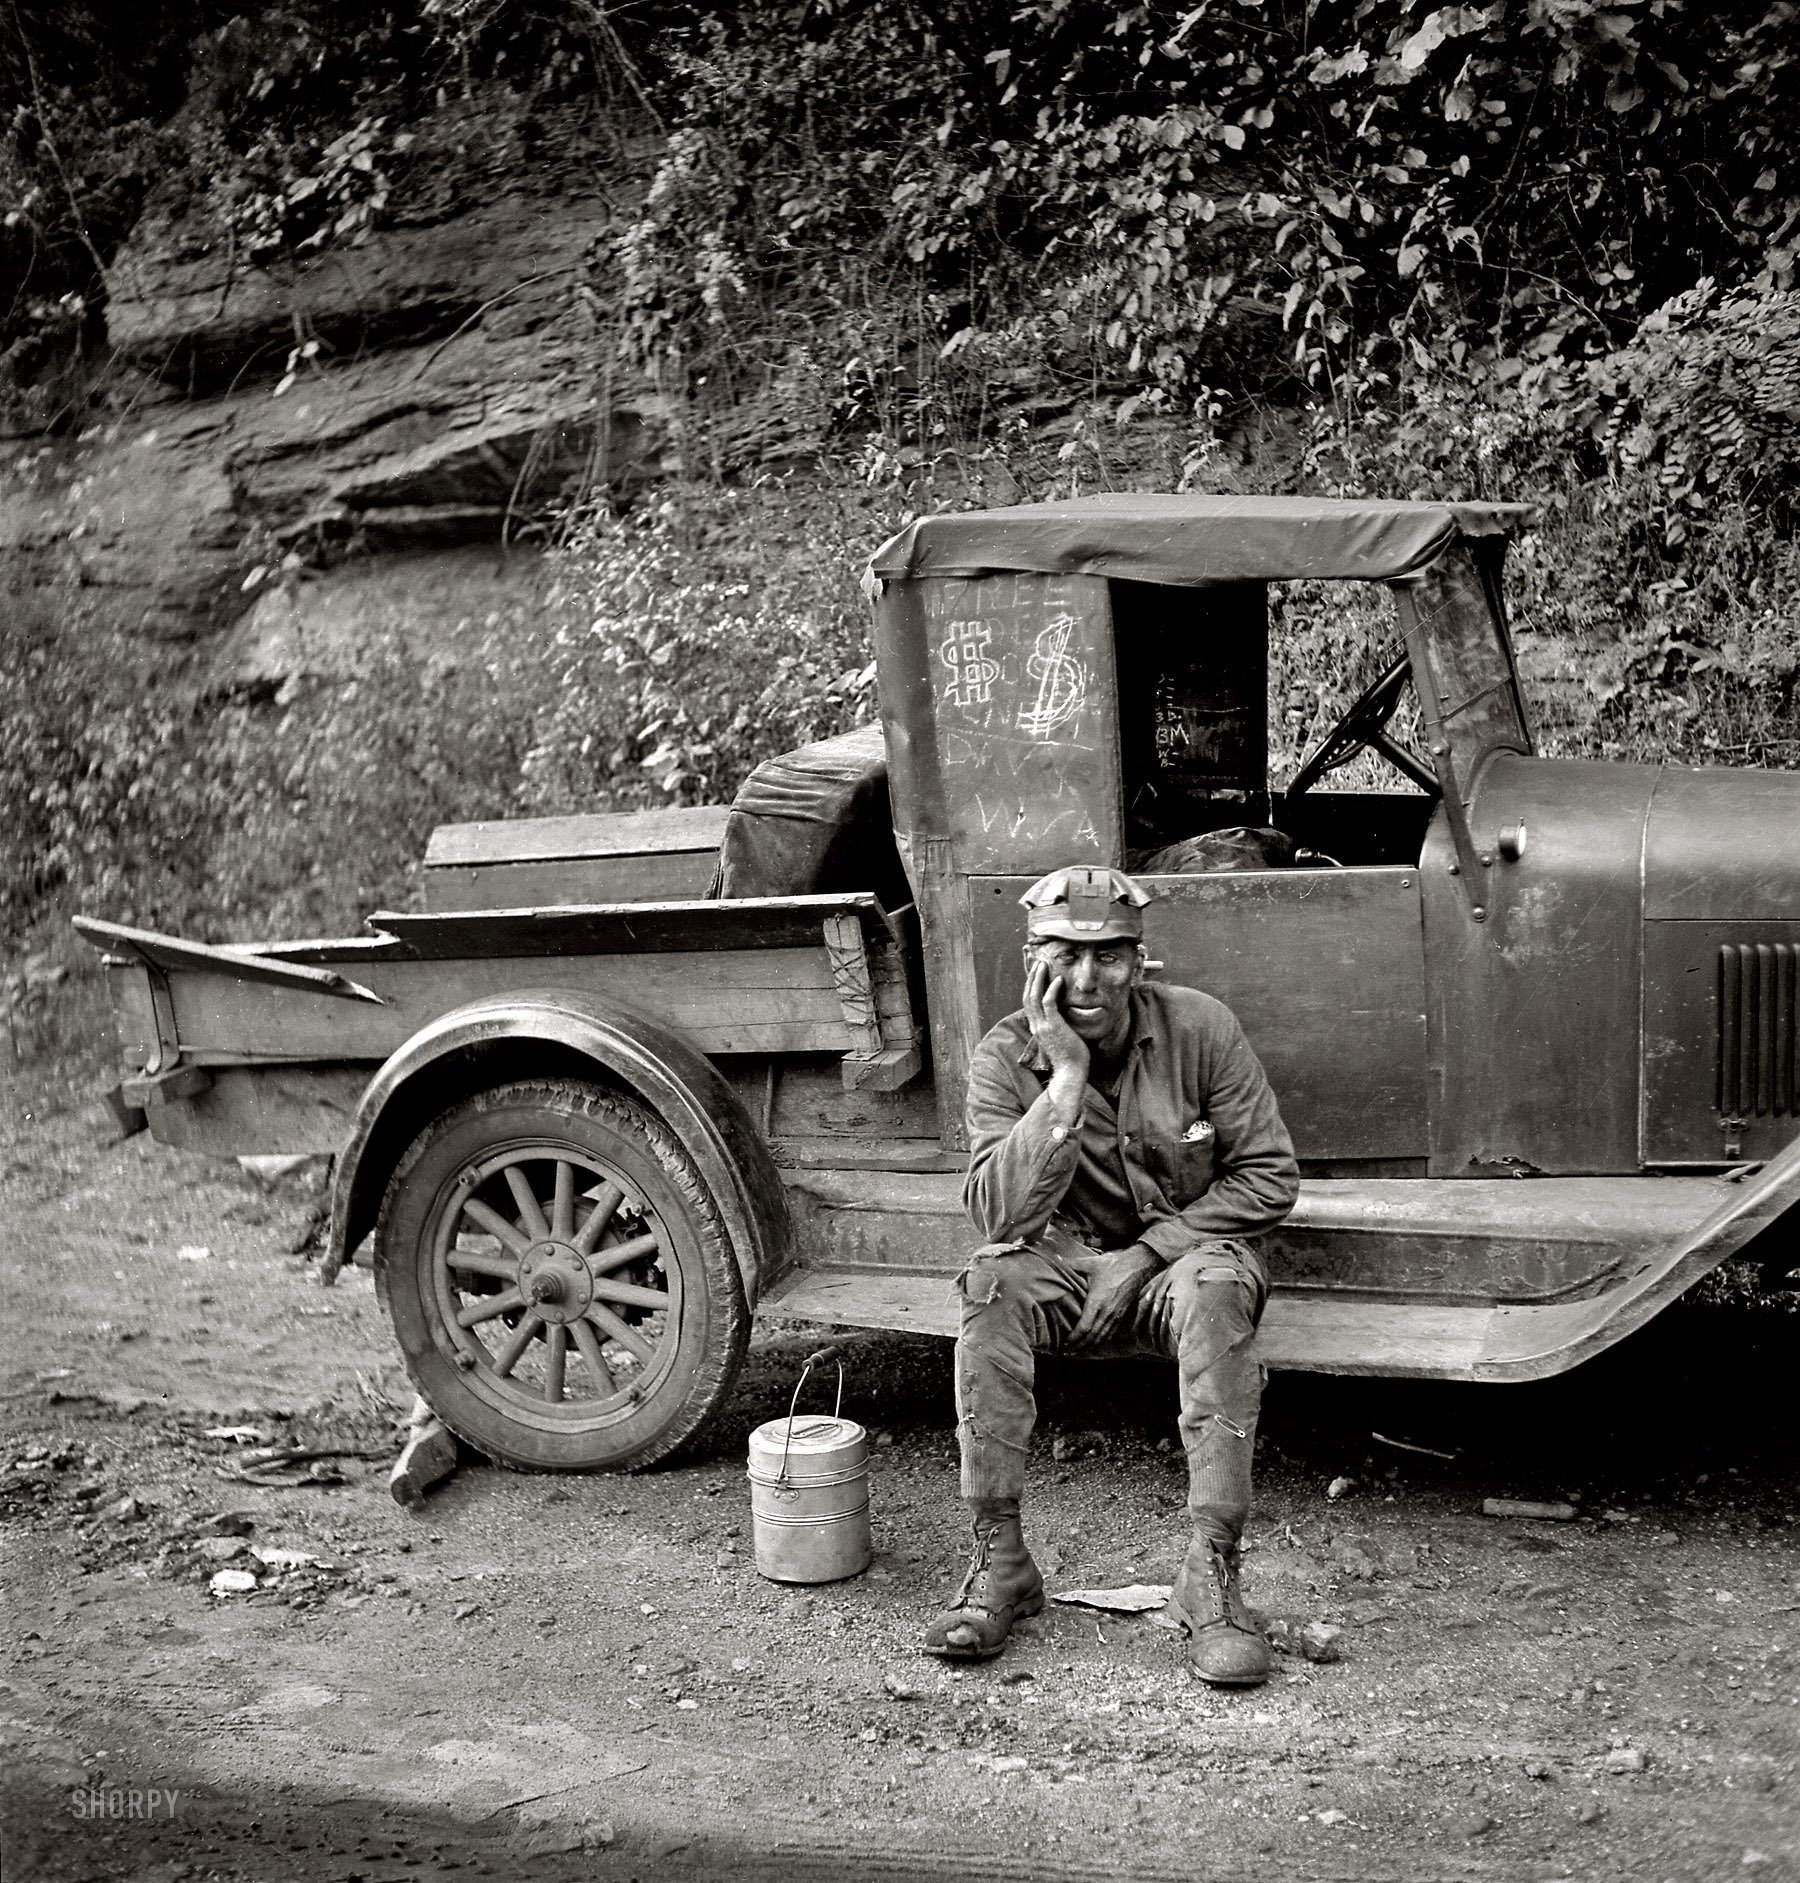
[[1225, 1646], [1002, 1586]]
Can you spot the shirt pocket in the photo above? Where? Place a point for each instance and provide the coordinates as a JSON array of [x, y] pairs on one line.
[[1182, 1167]]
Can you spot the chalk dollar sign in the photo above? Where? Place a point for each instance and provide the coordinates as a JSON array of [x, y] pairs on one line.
[[1062, 681], [972, 673]]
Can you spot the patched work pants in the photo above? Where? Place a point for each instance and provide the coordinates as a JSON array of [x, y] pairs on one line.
[[1022, 1299]]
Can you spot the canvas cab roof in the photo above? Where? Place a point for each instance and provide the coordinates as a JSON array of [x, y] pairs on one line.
[[1191, 541]]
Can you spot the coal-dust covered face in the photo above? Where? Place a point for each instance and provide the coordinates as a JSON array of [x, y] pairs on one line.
[[1097, 980]]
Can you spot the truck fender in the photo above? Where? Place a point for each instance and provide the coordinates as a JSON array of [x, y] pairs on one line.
[[1530, 1343], [567, 1034]]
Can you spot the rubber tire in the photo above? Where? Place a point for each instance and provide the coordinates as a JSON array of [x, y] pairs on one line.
[[715, 1321]]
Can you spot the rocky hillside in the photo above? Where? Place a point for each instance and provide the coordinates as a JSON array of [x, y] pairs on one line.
[[281, 448]]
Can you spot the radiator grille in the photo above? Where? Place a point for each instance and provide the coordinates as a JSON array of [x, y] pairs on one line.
[[1757, 1034]]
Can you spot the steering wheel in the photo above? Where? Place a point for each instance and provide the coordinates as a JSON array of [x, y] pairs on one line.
[[1365, 726]]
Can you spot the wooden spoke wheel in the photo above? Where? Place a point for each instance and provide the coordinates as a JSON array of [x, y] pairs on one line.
[[559, 1278]]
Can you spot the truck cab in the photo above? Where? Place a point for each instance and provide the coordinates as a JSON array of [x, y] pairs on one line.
[[1505, 966]]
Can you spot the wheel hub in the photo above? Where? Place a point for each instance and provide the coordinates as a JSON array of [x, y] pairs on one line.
[[555, 1280]]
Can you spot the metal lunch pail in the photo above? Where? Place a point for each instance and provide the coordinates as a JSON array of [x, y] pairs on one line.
[[809, 1491]]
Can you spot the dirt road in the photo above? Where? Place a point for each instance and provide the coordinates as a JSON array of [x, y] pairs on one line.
[[585, 1677]]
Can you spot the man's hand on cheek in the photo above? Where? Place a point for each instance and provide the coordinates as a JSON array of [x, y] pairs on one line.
[[1116, 1279], [1062, 1046]]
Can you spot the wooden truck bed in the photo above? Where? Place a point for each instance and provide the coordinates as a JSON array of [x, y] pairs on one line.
[[292, 1030]]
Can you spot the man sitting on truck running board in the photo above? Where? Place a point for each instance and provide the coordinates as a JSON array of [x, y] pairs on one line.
[[1123, 1139]]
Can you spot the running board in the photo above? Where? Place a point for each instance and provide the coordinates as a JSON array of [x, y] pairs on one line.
[[878, 1249], [1298, 1334]]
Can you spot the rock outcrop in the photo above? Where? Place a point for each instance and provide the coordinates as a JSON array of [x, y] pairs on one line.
[[435, 391], [442, 606]]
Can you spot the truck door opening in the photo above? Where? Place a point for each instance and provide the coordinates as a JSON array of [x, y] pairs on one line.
[[1302, 914], [1223, 690]]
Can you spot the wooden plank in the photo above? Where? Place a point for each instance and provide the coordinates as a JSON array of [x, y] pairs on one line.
[[883, 1071], [322, 950], [901, 1057], [250, 1111], [950, 984], [1316, 1329], [755, 1000], [750, 922], [888, 960], [678, 828], [1638, 1211], [1402, 1340], [179, 1083], [810, 1102], [135, 1018], [1635, 1212], [922, 1200], [238, 964], [888, 1154], [849, 960], [914, 1304], [167, 1047], [884, 1219], [664, 877], [1433, 1243], [886, 1055], [1483, 1241]]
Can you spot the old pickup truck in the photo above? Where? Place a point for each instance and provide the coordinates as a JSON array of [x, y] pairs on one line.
[[628, 1079]]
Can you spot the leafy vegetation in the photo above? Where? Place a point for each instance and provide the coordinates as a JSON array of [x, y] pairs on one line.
[[1539, 251], [1162, 199], [676, 670], [1658, 600], [282, 129]]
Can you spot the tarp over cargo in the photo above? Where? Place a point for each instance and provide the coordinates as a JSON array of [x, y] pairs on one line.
[[1192, 541], [810, 821]]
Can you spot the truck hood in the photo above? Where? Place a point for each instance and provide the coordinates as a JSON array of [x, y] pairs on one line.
[[1723, 845]]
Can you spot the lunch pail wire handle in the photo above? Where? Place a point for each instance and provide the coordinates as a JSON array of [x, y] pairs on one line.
[[812, 1360]]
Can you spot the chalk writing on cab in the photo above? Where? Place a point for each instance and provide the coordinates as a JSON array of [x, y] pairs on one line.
[[1062, 681], [973, 671]]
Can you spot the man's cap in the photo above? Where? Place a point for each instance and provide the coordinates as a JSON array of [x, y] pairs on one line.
[[1085, 904]]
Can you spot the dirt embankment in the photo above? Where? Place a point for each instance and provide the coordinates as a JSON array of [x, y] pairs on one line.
[[586, 1675]]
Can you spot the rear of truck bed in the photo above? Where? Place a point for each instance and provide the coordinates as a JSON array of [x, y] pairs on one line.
[[241, 1049]]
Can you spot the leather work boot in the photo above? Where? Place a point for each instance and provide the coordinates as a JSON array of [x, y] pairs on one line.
[[1225, 1647], [1002, 1586]]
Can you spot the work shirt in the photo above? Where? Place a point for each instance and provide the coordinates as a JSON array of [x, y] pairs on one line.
[[1192, 1151]]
